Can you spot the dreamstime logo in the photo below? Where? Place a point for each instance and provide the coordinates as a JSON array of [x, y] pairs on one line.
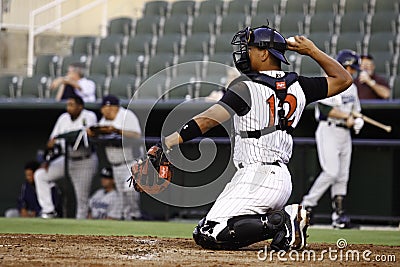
[[177, 194], [340, 253]]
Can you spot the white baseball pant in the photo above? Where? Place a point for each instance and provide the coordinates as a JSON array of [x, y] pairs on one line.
[[334, 153], [254, 189], [81, 173]]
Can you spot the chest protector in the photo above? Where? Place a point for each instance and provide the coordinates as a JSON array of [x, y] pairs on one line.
[[280, 87]]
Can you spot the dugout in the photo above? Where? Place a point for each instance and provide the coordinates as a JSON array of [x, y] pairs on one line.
[[374, 190]]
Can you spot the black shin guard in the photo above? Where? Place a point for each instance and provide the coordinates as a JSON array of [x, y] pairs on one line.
[[248, 229]]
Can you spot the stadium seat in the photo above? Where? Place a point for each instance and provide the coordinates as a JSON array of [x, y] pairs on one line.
[[382, 41], [168, 43], [183, 7], [174, 24], [131, 64], [329, 6], [158, 8], [263, 19], [123, 86], [353, 22], [238, 7], [33, 87], [46, 65], [192, 56], [270, 6], [146, 25], [322, 40], [384, 21], [197, 43], [140, 43], [100, 82], [204, 89], [222, 57], [179, 87], [122, 25], [321, 22], [293, 23], [152, 87], [231, 23], [347, 6], [214, 7], [203, 24], [102, 64], [111, 44], [384, 6], [308, 67], [70, 59], [83, 45], [348, 40], [8, 86], [385, 62], [215, 69], [192, 68], [158, 63], [295, 6], [396, 88], [222, 43]]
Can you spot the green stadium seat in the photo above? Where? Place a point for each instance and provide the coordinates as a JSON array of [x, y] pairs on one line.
[[83, 45], [158, 8], [121, 25], [270, 6], [8, 86], [183, 7], [111, 44], [33, 87], [46, 65], [123, 86]]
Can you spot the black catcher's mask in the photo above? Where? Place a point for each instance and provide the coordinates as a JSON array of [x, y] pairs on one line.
[[262, 37]]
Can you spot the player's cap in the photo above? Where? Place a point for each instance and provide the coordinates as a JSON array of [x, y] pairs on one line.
[[107, 172], [348, 57], [110, 100]]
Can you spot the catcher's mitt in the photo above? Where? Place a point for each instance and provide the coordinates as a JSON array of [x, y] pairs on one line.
[[151, 179]]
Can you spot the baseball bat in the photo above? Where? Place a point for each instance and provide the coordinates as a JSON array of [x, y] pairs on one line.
[[387, 128]]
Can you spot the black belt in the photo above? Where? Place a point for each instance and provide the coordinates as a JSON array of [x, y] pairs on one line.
[[337, 124], [276, 163], [80, 158]]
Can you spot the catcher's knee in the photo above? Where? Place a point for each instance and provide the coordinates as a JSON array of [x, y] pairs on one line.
[[240, 231]]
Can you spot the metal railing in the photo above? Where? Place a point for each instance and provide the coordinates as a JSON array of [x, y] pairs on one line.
[[33, 30]]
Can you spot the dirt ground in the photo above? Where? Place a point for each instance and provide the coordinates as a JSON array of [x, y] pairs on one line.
[[64, 250]]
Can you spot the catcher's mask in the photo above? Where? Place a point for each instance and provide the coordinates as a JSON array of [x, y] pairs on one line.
[[262, 37]]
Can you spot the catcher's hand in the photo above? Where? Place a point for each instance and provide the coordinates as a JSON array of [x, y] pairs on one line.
[[151, 179]]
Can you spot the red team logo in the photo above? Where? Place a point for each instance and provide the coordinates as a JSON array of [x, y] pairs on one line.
[[280, 85]]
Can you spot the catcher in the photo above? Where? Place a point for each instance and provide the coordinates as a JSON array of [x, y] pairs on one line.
[[266, 104]]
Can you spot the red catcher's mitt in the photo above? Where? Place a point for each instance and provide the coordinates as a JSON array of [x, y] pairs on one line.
[[151, 179]]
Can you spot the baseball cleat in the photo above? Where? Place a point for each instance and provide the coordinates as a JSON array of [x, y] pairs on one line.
[[340, 221], [299, 220], [290, 223], [50, 215], [301, 225]]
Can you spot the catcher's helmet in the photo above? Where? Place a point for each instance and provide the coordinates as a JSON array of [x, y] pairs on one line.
[[350, 58], [263, 37]]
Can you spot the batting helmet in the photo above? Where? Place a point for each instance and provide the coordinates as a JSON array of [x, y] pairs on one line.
[[350, 58], [262, 37]]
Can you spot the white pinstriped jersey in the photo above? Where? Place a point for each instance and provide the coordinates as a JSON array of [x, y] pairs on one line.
[[276, 146]]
